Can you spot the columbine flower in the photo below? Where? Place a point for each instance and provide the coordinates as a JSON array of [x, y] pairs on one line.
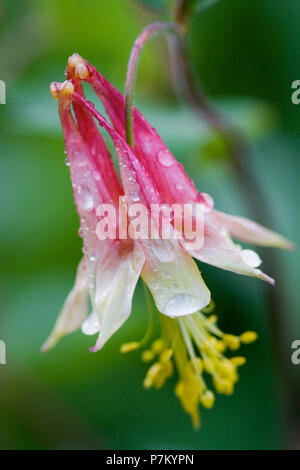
[[110, 268]]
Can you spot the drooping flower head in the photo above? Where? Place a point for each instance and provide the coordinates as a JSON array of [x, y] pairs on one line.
[[150, 177]]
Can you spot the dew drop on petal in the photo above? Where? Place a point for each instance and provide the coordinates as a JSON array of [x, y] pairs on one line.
[[85, 198], [134, 196], [251, 258], [67, 161], [165, 158], [91, 325], [181, 304]]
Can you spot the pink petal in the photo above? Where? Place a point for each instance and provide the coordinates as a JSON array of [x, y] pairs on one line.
[[220, 251], [250, 232]]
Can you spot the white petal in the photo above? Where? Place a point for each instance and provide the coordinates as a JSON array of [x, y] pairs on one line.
[[220, 251], [116, 278], [75, 308], [250, 232], [174, 281]]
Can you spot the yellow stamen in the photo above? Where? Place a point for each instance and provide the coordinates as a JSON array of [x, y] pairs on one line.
[[166, 355], [208, 399], [209, 366], [224, 386], [148, 355], [128, 347], [248, 337], [213, 319], [158, 346], [233, 342], [238, 360]]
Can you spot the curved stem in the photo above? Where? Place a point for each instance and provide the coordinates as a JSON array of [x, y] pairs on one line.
[[145, 36]]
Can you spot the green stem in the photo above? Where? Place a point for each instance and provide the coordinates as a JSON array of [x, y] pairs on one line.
[[145, 36]]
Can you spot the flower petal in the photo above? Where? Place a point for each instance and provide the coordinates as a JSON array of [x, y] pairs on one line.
[[250, 232], [117, 273], [175, 282], [75, 308], [220, 251]]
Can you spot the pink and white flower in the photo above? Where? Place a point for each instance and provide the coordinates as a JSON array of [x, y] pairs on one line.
[[150, 174]]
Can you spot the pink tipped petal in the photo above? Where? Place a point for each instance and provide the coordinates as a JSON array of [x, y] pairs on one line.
[[250, 232], [116, 276], [75, 308], [112, 266], [220, 251]]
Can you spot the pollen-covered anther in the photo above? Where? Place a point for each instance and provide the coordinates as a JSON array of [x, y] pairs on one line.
[[207, 399], [128, 347], [148, 355], [166, 356], [158, 346], [232, 342], [238, 361], [223, 386], [248, 337], [209, 365]]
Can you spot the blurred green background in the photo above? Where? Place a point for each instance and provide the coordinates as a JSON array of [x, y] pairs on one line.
[[247, 55]]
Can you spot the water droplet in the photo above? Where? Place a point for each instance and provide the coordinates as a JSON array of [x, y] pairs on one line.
[[92, 257], [67, 161], [165, 158], [134, 196], [85, 198], [179, 186], [181, 304], [91, 325], [251, 258]]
